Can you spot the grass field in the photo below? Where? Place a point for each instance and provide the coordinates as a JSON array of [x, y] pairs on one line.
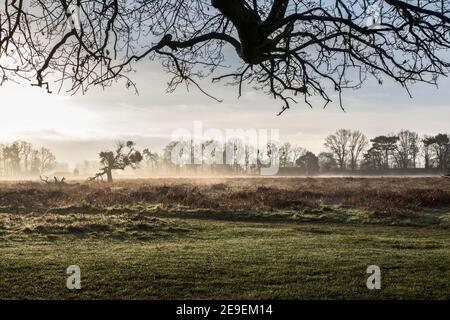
[[252, 238]]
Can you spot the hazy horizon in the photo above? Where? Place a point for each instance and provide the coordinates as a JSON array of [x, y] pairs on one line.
[[77, 127]]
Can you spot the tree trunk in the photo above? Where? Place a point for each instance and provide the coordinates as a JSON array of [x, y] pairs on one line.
[[247, 24], [109, 175], [387, 159]]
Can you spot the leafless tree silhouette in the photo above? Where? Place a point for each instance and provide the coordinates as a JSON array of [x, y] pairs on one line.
[[287, 48]]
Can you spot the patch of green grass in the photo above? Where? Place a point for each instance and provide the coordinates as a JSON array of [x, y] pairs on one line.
[[322, 213], [227, 239], [131, 256]]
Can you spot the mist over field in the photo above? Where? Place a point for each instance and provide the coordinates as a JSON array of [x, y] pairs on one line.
[[225, 153]]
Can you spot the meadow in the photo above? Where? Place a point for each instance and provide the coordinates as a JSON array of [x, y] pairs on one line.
[[226, 238]]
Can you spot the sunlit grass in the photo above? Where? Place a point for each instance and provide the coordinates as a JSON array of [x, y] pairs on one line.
[[287, 238], [178, 258]]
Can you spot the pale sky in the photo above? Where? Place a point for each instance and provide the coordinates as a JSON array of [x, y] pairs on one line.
[[78, 127]]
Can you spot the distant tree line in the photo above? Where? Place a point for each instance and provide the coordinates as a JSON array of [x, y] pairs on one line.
[[20, 158], [351, 150], [346, 151]]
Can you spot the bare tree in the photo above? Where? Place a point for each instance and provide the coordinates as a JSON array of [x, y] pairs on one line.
[[150, 158], [208, 151], [268, 155], [47, 160], [124, 156], [25, 151], [415, 147], [406, 149], [11, 154], [285, 152], [235, 154], [213, 153], [250, 154], [284, 47], [168, 151], [338, 144], [35, 162], [296, 153], [357, 144]]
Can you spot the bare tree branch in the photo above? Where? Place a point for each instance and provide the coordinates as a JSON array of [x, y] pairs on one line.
[[283, 47]]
